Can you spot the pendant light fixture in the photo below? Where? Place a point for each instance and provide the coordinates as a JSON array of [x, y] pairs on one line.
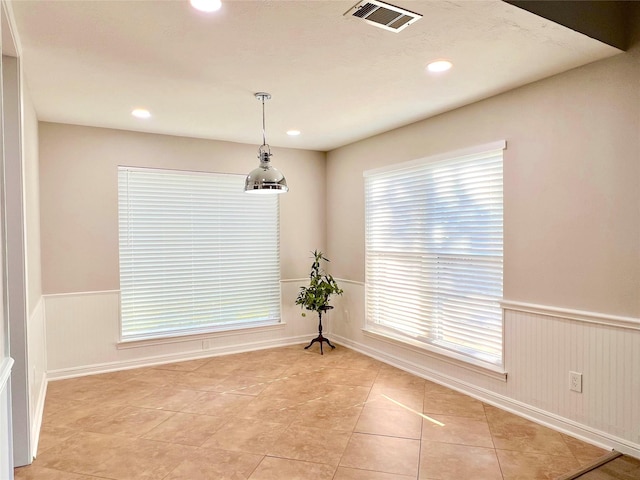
[[265, 178]]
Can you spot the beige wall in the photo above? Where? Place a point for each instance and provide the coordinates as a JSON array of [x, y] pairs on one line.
[[78, 197], [572, 246], [571, 185]]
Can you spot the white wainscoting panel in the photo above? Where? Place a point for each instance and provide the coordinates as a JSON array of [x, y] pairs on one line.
[[540, 351], [37, 352], [6, 451], [82, 335], [543, 349]]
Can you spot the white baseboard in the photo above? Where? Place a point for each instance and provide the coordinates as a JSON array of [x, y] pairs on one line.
[[548, 419], [36, 422], [94, 369]]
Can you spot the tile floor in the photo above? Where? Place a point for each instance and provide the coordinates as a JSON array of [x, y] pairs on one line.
[[286, 414]]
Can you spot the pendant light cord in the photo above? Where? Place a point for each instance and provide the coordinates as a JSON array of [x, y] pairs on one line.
[[264, 150], [264, 135]]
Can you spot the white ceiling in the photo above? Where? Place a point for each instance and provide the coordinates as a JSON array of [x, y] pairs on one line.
[[334, 78]]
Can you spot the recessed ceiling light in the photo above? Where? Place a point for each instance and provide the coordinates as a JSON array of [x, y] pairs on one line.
[[141, 113], [206, 5], [293, 133], [439, 66]]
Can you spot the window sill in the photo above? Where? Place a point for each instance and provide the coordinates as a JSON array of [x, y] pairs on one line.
[[493, 371], [205, 335]]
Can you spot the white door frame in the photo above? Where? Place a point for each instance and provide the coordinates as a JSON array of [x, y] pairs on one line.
[[15, 304]]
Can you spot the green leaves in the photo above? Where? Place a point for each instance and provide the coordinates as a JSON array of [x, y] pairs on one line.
[[316, 296]]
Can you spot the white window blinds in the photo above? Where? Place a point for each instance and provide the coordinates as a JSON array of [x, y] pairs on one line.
[[434, 254], [196, 253]]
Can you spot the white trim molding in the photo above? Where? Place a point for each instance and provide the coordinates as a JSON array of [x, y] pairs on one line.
[[36, 424], [150, 361], [495, 372], [475, 150], [569, 314], [5, 372], [188, 337], [6, 435], [350, 282], [80, 294]]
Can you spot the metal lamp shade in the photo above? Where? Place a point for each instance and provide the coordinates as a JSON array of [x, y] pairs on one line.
[[265, 178]]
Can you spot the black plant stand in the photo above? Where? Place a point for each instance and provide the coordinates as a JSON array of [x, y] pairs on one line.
[[320, 338]]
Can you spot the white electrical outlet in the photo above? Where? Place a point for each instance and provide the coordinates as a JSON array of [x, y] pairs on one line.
[[575, 382]]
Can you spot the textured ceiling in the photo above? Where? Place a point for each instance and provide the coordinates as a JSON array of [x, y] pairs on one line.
[[334, 78]]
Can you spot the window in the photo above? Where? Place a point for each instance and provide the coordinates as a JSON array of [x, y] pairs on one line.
[[434, 253], [196, 254]]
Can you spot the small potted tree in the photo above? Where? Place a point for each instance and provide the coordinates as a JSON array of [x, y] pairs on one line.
[[316, 296]]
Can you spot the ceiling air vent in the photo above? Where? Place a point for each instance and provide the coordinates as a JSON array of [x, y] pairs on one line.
[[383, 15]]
